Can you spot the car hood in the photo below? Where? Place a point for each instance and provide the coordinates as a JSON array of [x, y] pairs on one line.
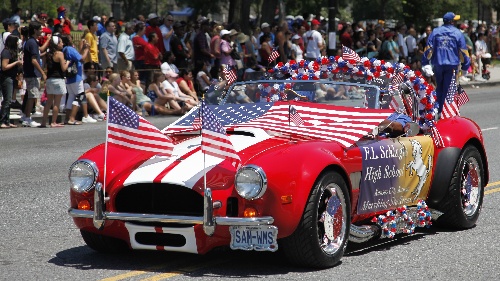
[[188, 164]]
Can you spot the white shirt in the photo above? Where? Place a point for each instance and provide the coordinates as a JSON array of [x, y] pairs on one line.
[[199, 77], [481, 48], [166, 42], [2, 42], [299, 55], [172, 86], [312, 38], [126, 46], [411, 43], [401, 42]]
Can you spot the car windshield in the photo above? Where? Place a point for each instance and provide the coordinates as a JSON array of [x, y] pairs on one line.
[[364, 94]]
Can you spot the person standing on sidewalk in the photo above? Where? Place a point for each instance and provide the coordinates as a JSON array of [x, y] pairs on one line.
[[91, 38], [32, 72], [445, 50], [125, 49], [108, 46], [11, 63]]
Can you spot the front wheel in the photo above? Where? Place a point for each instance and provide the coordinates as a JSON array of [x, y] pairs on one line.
[[321, 236], [462, 205]]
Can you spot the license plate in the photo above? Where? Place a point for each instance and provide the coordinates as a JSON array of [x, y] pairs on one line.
[[258, 238]]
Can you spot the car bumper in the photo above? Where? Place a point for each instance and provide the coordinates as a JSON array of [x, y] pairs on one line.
[[209, 222]]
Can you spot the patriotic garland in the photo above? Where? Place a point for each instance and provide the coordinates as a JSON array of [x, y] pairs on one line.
[[402, 220], [336, 68]]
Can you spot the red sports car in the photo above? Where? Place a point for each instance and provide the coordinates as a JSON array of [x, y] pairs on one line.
[[304, 163]]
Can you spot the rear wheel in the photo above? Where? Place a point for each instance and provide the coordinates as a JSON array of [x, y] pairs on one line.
[[321, 236], [462, 205], [103, 243]]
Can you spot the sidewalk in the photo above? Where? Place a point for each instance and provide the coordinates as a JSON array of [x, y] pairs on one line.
[[493, 81]]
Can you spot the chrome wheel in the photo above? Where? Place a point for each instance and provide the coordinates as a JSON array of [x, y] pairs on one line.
[[471, 186], [332, 219]]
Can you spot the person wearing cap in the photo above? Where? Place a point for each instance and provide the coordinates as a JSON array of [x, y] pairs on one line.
[[154, 26], [63, 20], [42, 18], [226, 49], [125, 49], [313, 41], [10, 26], [296, 53], [389, 50], [184, 101], [32, 73], [445, 51], [167, 31], [108, 44], [100, 25]]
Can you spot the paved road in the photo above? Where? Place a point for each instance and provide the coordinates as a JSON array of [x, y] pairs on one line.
[[38, 240]]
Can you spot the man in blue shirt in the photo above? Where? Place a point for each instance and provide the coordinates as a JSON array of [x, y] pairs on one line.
[[445, 51]]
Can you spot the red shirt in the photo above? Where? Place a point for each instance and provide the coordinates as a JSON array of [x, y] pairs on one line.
[[42, 39], [66, 28], [139, 47], [157, 30], [151, 54]]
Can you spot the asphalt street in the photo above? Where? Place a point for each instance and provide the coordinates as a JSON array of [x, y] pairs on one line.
[[39, 241]]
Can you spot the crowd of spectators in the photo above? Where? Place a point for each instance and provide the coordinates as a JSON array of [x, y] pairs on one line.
[[161, 65]]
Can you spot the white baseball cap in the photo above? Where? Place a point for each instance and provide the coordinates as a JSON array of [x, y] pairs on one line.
[[264, 25], [165, 67], [224, 32]]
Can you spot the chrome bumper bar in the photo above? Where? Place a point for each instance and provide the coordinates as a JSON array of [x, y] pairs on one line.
[[208, 221]]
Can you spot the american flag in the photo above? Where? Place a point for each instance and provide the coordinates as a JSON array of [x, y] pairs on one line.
[[127, 129], [344, 125], [394, 105], [450, 107], [436, 137], [230, 74], [396, 80], [274, 55], [295, 117], [214, 140], [197, 123], [462, 97], [349, 54]]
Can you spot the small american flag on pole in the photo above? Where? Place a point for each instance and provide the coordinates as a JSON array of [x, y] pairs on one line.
[[197, 123], [295, 117], [274, 55], [214, 140], [230, 74], [349, 54], [129, 130], [450, 107], [436, 137], [462, 97]]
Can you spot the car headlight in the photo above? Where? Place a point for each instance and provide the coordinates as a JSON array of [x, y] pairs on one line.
[[83, 175], [251, 182]]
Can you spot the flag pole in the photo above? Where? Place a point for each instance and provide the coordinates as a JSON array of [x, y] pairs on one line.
[[106, 146], [289, 117]]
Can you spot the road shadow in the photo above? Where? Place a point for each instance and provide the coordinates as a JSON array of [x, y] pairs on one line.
[[221, 262]]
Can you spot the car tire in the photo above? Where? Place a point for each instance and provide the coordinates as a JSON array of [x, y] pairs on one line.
[[462, 205], [104, 244], [321, 236]]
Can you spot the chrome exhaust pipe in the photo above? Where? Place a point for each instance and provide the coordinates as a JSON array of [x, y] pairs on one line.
[[363, 233]]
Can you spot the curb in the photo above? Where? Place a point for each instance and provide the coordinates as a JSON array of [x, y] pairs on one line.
[[473, 84]]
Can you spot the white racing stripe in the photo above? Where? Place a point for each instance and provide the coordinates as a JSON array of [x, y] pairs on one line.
[[190, 170], [489, 129]]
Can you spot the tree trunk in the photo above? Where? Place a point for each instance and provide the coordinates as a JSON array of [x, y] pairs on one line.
[[91, 9], [268, 11], [234, 11], [80, 10], [245, 17], [13, 6]]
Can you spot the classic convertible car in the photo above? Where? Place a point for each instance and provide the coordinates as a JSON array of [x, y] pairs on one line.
[[312, 169]]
